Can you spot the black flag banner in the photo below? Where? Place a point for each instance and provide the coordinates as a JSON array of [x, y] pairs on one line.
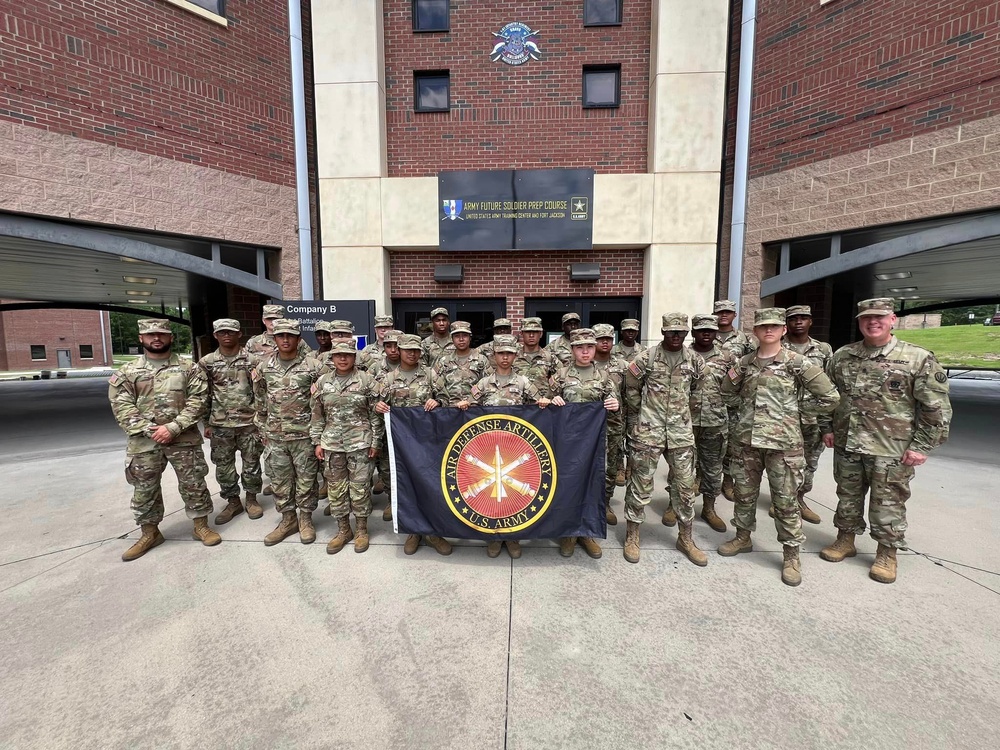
[[517, 472]]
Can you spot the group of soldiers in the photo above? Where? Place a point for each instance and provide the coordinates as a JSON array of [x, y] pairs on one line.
[[720, 411]]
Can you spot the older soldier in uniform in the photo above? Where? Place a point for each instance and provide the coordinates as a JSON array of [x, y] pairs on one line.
[[348, 435], [658, 388], [583, 382], [532, 361], [439, 342], [461, 368], [628, 348], [230, 421], [895, 410], [501, 327], [369, 356], [157, 400], [739, 345], [412, 384], [771, 384], [282, 386], [604, 334], [798, 320], [709, 416], [562, 346]]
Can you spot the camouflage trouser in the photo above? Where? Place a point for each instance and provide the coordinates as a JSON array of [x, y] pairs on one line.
[[680, 478], [615, 451], [784, 476], [292, 468], [225, 442], [349, 483], [889, 482], [144, 470], [710, 445], [382, 462], [812, 437], [732, 447]]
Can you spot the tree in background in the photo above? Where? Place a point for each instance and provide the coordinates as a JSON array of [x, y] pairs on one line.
[[125, 330]]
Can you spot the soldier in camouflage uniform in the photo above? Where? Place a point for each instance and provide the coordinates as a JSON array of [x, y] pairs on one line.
[[798, 320], [157, 400], [371, 355], [412, 384], [561, 347], [439, 342], [534, 362], [739, 345], [504, 387], [895, 410], [348, 435], [583, 382], [658, 388], [709, 416], [262, 345], [628, 348], [604, 334], [380, 367], [461, 368], [772, 384], [230, 421], [501, 327], [323, 338], [340, 331], [282, 387]]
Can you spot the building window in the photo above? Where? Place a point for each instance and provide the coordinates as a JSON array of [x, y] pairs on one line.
[[213, 10], [431, 91], [86, 351], [601, 85], [37, 351], [431, 15], [602, 12]]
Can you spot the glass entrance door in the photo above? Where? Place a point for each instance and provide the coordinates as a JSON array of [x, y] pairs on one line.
[[592, 310], [414, 316]]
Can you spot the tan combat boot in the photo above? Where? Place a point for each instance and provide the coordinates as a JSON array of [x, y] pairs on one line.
[[151, 537], [203, 532], [843, 547], [741, 543], [387, 513], [307, 532], [669, 517], [591, 547], [791, 569], [379, 487], [361, 535], [254, 510], [287, 526], [808, 514], [728, 488], [566, 546], [412, 542], [493, 549], [233, 508], [620, 478], [685, 543], [513, 548], [441, 546], [709, 516], [628, 472], [327, 510], [344, 535], [268, 490], [631, 550], [883, 569], [323, 491], [609, 516]]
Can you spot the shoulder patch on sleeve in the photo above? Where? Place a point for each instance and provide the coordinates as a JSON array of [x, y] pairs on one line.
[[254, 375], [733, 374], [940, 377], [476, 391], [312, 389], [633, 368], [115, 379]]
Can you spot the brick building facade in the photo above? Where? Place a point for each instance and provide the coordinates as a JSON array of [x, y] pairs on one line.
[[51, 339]]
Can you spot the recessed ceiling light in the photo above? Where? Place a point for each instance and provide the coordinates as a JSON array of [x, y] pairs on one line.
[[893, 289], [138, 280], [123, 259], [140, 301], [908, 296], [894, 275], [142, 293]]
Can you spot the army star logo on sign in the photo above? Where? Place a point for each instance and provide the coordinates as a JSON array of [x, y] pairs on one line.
[[452, 210], [498, 474], [517, 44], [579, 208]]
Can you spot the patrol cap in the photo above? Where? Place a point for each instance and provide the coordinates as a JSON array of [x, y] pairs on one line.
[[341, 326], [674, 321], [384, 321], [532, 324], [439, 311], [769, 316], [226, 324], [392, 336], [461, 326], [582, 336], [345, 347], [322, 325], [287, 325], [569, 316], [154, 325], [630, 324], [273, 311], [798, 310], [877, 306], [724, 305], [502, 323], [505, 343], [604, 331], [409, 341], [702, 322]]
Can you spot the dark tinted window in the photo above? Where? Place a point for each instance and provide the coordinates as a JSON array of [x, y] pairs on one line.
[[37, 351], [86, 351], [218, 7], [432, 90], [430, 15], [600, 86], [602, 12]]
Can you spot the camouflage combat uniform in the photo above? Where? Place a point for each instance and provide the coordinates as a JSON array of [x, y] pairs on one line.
[[561, 350], [231, 417], [509, 390], [895, 398], [459, 374], [772, 395], [710, 420], [819, 353], [370, 356], [615, 367], [434, 348], [537, 367], [145, 394], [262, 346], [627, 353]]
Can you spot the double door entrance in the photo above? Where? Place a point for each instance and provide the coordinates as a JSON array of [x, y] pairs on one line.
[[592, 310], [414, 316]]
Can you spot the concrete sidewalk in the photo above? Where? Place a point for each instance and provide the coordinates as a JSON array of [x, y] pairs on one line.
[[252, 647]]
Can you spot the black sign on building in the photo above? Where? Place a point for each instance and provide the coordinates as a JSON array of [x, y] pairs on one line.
[[360, 312], [517, 209]]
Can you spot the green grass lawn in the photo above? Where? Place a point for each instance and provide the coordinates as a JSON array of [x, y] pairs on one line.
[[959, 346]]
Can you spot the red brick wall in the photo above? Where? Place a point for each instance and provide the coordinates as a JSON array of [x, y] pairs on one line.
[[516, 276], [153, 77], [832, 79], [55, 329], [527, 116]]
